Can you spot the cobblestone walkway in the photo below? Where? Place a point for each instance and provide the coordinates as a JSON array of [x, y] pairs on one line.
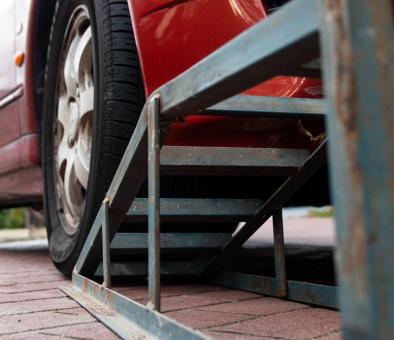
[[33, 307]]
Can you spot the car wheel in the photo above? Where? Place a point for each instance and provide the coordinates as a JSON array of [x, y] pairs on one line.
[[93, 99]]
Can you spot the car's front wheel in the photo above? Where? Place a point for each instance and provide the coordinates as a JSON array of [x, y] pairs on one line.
[[93, 99]]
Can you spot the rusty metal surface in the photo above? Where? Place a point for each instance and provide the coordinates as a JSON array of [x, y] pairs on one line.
[[232, 161], [221, 75], [196, 209], [276, 201], [269, 107], [127, 318], [154, 203], [106, 246], [297, 291], [279, 249], [358, 53]]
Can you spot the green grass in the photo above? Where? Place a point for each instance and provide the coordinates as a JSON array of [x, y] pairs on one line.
[[12, 218], [321, 212]]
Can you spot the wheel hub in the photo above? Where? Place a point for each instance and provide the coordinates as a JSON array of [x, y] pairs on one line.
[[74, 119]]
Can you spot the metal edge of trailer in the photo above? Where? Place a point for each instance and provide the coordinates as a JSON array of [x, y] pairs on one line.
[[123, 241], [232, 161], [127, 318], [241, 64], [172, 209], [315, 161], [315, 294], [219, 76], [269, 107], [358, 68]]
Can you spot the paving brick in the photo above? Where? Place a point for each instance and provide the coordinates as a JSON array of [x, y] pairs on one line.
[[32, 278], [27, 273], [27, 296], [187, 302], [36, 321], [86, 331], [141, 292], [31, 287], [231, 295], [174, 290], [331, 336], [303, 324], [198, 319], [36, 306], [135, 293], [259, 306], [235, 336], [29, 336], [91, 330], [17, 268]]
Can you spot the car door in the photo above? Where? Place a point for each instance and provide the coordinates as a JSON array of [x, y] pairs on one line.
[[9, 89]]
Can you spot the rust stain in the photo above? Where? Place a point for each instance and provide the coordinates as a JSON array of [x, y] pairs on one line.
[[346, 111], [85, 285]]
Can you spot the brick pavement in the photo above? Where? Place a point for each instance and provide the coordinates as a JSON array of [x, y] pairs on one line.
[[33, 307]]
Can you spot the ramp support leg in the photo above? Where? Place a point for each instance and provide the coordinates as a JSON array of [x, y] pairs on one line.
[[358, 52], [106, 245], [279, 253], [154, 202]]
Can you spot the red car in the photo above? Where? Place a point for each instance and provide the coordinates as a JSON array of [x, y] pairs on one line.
[[74, 75]]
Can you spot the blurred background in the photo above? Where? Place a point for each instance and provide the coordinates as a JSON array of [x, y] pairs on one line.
[[19, 224]]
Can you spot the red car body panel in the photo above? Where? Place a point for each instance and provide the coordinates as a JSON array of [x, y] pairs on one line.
[[20, 173], [174, 35], [171, 36]]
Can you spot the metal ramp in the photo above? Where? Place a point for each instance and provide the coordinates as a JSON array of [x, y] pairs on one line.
[[305, 30]]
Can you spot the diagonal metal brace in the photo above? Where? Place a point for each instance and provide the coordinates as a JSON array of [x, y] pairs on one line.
[[275, 202]]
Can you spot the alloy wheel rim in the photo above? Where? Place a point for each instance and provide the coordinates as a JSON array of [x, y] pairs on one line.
[[74, 119]]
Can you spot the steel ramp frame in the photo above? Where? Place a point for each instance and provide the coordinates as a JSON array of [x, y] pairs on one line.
[[349, 63]]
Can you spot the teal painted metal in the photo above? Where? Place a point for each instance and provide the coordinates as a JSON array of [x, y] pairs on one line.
[[297, 291], [279, 253], [358, 48], [196, 210], [231, 161], [219, 76], [269, 107], [127, 318], [168, 267], [135, 242], [357, 44], [154, 203], [276, 201], [106, 246]]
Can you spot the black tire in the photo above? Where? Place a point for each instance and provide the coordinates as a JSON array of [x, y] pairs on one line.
[[119, 97]]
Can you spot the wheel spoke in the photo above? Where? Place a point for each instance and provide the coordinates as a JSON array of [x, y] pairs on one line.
[[69, 70], [83, 55], [72, 189], [62, 112], [82, 167], [86, 101], [63, 154]]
